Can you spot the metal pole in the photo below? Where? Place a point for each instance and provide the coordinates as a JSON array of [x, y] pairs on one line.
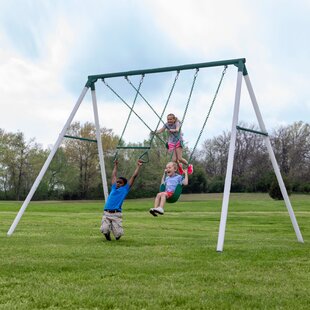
[[46, 164], [230, 162], [273, 160], [99, 144]]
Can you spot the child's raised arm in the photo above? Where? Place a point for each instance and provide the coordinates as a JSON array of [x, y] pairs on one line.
[[185, 180], [158, 131], [135, 174], [114, 172], [163, 177]]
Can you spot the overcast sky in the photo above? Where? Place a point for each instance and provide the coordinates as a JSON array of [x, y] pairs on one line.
[[48, 49]]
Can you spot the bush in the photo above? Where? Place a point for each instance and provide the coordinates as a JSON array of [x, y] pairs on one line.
[[216, 185], [306, 188], [274, 190], [237, 185], [197, 181], [301, 187]]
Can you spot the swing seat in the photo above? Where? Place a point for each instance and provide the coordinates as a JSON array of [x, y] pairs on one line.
[[177, 193]]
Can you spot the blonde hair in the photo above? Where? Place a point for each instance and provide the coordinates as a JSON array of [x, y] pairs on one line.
[[175, 166]]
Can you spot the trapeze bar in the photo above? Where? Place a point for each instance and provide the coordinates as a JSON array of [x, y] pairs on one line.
[[236, 62], [254, 131], [79, 138], [134, 147]]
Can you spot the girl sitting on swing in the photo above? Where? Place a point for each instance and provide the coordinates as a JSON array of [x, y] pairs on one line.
[[175, 142], [171, 179]]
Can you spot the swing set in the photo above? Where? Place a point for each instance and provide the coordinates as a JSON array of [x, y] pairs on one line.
[[144, 156], [242, 73]]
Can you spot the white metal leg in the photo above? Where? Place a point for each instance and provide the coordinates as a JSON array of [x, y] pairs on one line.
[[230, 162], [273, 160], [99, 144], [46, 164]]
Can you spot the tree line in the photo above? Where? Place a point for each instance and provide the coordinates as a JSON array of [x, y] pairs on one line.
[[74, 173]]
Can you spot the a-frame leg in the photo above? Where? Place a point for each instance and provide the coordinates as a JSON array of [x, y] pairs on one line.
[[273, 159], [47, 163], [99, 144], [230, 162]]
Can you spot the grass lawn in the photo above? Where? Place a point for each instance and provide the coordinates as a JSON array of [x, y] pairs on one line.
[[57, 258]]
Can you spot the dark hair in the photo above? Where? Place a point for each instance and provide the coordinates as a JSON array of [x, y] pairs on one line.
[[123, 179]]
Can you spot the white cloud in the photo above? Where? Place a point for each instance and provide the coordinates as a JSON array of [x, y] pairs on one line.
[[33, 97], [35, 100], [205, 27], [215, 30]]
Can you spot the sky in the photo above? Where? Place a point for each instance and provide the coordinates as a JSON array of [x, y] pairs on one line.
[[48, 48]]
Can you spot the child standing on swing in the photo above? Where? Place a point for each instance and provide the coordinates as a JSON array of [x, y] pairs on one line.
[[175, 142], [171, 179]]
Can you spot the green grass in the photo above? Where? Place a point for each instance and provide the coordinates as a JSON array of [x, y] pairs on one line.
[[57, 258]]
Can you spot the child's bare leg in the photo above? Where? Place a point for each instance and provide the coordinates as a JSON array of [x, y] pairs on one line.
[[183, 161], [179, 157], [159, 204], [163, 200], [174, 156], [157, 200]]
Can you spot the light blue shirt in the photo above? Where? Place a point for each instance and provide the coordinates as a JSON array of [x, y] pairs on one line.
[[172, 182], [117, 197]]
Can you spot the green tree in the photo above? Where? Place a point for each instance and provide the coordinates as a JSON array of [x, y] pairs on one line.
[[292, 149], [82, 156], [16, 163]]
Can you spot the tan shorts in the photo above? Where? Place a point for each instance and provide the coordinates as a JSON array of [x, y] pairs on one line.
[[112, 222]]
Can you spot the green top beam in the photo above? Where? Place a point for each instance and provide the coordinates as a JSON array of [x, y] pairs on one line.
[[134, 147], [239, 62], [80, 138], [253, 131]]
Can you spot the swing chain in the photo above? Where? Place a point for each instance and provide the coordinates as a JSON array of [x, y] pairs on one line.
[[141, 81], [189, 99], [208, 114], [190, 96], [144, 99], [131, 110], [196, 73]]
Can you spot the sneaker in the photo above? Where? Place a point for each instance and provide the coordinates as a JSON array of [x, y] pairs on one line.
[[153, 212], [108, 236], [180, 169], [158, 210], [190, 169]]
